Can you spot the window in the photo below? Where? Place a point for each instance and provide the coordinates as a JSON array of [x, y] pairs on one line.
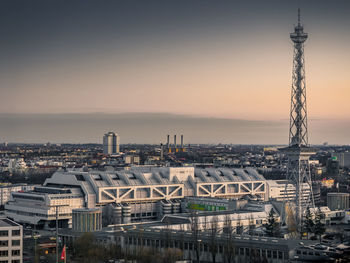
[[274, 254], [4, 233], [4, 243], [221, 249], [16, 232], [16, 252], [15, 261], [186, 246], [4, 253], [280, 254]]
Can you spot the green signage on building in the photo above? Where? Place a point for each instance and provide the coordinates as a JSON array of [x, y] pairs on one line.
[[202, 207]]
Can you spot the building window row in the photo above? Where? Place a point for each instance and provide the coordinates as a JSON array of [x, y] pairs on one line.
[[5, 253], [5, 233], [66, 197], [203, 247], [25, 213], [35, 214]]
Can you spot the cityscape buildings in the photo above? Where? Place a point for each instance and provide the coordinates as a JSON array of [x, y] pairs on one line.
[[195, 203]]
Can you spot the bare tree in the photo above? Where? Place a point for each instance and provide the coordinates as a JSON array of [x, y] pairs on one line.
[[229, 248], [239, 225], [251, 225], [167, 235], [195, 234], [213, 231], [181, 241]]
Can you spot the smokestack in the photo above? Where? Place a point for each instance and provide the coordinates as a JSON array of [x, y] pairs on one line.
[[167, 140], [174, 141], [161, 151], [182, 141]]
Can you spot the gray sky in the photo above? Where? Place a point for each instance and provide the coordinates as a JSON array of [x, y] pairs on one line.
[[218, 59]]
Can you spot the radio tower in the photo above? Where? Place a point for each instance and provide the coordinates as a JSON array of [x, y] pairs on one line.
[[298, 151]]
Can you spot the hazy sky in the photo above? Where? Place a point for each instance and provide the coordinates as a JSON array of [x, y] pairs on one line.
[[222, 59]]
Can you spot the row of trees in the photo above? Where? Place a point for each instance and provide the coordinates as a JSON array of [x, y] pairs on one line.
[[86, 249], [312, 224]]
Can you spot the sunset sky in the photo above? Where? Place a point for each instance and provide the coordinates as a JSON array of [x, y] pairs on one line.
[[208, 59]]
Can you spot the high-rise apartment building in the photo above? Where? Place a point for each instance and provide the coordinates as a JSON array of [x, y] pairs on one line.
[[111, 143]]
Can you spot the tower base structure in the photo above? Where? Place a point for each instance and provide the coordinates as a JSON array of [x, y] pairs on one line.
[[298, 174]]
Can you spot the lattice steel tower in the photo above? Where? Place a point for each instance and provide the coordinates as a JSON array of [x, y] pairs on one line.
[[298, 151]]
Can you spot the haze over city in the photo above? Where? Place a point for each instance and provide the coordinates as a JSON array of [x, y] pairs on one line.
[[71, 71]]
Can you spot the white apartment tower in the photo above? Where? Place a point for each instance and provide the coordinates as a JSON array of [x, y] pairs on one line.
[[111, 143]]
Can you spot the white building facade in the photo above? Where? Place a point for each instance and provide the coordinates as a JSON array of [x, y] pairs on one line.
[[281, 190], [6, 190], [137, 194]]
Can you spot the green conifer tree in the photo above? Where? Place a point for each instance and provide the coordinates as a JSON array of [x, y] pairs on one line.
[[309, 224], [319, 226], [272, 226]]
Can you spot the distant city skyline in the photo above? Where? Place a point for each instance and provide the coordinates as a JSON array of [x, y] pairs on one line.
[[153, 128], [230, 60]]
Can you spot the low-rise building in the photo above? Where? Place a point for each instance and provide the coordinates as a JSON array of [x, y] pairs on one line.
[[338, 201], [282, 190], [7, 189], [38, 207]]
